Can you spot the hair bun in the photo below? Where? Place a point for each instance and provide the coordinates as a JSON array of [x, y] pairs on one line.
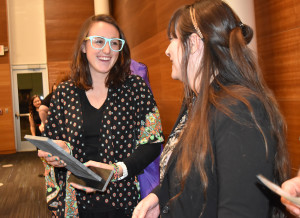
[[247, 32]]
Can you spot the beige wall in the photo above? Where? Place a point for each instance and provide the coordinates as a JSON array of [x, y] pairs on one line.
[[27, 32]]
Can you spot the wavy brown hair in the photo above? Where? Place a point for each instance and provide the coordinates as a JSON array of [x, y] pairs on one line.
[[80, 71], [227, 59], [32, 108]]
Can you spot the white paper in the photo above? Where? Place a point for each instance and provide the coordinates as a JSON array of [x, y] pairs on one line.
[[275, 188]]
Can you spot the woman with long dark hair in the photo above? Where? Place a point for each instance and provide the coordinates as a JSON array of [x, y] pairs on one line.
[[230, 128], [34, 118]]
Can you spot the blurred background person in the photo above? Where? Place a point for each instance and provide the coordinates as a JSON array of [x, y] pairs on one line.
[[44, 108], [34, 118]]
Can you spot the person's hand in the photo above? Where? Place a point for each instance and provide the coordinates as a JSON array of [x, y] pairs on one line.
[[41, 127], [54, 160], [148, 207], [292, 187], [93, 164], [84, 188]]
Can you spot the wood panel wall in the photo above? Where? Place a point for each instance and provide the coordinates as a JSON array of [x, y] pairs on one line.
[[7, 137], [63, 21], [144, 24], [278, 41], [278, 34]]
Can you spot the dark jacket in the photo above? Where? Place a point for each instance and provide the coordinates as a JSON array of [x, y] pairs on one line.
[[233, 189]]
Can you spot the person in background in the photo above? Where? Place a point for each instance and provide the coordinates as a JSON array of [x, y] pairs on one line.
[[34, 118], [44, 108], [149, 179], [292, 187], [105, 117], [230, 128]]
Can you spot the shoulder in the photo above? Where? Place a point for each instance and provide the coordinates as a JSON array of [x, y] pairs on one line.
[[135, 80], [240, 111], [134, 83], [67, 87]]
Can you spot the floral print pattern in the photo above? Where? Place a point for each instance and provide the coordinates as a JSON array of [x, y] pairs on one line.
[[130, 117]]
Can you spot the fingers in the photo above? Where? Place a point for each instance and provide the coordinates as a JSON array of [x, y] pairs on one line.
[[292, 208], [52, 160], [142, 208], [292, 187], [84, 188], [98, 164], [91, 163], [63, 145], [138, 211], [41, 128], [55, 161]]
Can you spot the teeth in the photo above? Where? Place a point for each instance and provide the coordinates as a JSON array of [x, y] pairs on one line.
[[104, 58]]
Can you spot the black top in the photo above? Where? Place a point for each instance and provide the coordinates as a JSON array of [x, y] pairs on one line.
[[47, 99], [37, 122], [239, 155], [91, 124]]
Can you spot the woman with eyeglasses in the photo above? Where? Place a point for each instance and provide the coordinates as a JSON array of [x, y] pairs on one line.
[[230, 128], [105, 117]]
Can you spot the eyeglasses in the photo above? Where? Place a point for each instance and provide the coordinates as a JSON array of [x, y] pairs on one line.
[[99, 42]]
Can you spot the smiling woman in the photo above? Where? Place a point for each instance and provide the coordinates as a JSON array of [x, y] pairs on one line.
[[103, 116], [34, 118]]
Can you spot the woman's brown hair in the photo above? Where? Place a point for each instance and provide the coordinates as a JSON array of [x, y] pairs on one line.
[[31, 106], [80, 71], [227, 59]]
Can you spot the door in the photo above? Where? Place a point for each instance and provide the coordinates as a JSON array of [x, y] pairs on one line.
[[28, 80]]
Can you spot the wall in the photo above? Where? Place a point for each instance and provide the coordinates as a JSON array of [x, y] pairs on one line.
[[27, 32], [144, 24], [63, 21], [278, 41], [7, 136]]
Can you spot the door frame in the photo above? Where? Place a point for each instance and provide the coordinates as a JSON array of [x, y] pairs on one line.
[[15, 70]]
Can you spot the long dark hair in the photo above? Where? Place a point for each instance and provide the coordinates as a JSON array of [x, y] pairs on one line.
[[80, 71], [227, 59], [31, 106]]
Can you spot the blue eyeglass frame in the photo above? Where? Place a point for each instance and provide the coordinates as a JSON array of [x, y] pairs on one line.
[[106, 40]]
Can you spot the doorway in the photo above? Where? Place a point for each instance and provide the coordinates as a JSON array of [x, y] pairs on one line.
[[28, 80]]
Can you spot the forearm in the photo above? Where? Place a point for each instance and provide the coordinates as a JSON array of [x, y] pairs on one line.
[[32, 125], [32, 130], [43, 113], [141, 158]]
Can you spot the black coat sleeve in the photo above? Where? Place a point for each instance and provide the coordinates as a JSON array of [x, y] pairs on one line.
[[141, 158]]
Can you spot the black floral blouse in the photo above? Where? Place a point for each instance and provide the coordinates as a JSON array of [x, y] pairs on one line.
[[130, 118]]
